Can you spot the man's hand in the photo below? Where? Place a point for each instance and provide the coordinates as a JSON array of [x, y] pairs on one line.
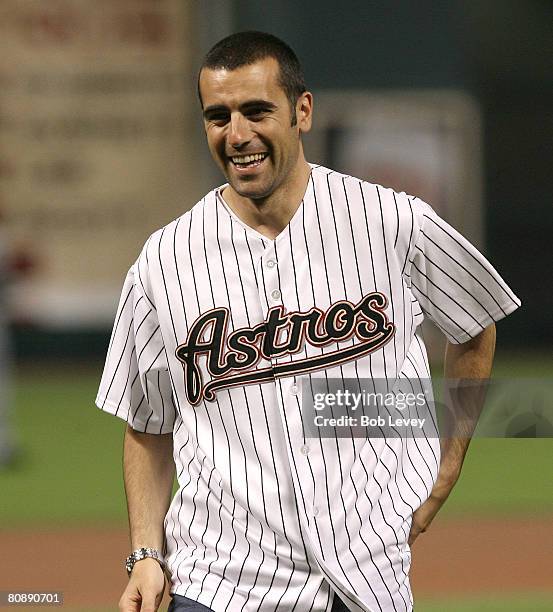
[[145, 589], [423, 516], [471, 361]]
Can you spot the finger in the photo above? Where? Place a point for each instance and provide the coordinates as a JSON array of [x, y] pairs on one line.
[[148, 606], [418, 526], [129, 604], [150, 601]]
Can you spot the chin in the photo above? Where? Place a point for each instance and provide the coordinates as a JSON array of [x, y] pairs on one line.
[[252, 194], [251, 190]]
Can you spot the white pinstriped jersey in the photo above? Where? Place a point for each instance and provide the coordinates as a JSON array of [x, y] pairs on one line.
[[216, 326]]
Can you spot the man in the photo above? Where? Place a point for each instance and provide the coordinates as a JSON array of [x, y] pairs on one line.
[[288, 274]]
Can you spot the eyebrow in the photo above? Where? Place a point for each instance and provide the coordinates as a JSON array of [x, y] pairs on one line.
[[243, 107]]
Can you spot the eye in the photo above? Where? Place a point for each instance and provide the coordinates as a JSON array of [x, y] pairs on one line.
[[219, 118], [256, 113]]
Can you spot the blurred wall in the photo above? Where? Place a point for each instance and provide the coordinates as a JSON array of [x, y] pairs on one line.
[[99, 137], [509, 50], [499, 51]]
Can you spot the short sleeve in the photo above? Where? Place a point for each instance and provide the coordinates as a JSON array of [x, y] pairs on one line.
[[455, 285], [135, 384]]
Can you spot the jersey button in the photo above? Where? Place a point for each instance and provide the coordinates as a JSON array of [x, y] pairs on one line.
[[294, 389], [275, 294], [315, 511], [304, 449], [271, 263]]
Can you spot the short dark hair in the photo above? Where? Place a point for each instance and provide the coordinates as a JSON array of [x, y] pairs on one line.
[[246, 48]]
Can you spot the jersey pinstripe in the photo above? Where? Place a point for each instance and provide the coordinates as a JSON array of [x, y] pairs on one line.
[[266, 518]]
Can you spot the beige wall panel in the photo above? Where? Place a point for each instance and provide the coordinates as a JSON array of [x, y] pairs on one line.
[[98, 143]]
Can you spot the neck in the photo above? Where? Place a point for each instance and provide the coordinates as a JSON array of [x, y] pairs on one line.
[[270, 215]]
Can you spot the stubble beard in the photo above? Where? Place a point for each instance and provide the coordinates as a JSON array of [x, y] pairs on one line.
[[258, 188]]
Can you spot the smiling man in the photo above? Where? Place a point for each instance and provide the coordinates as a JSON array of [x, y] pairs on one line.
[[254, 116], [289, 274]]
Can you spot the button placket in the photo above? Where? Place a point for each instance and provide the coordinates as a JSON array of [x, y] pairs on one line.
[[269, 262]]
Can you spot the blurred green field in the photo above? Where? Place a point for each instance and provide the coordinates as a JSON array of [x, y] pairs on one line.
[[519, 603], [70, 469]]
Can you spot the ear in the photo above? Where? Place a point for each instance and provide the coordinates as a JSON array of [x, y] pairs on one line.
[[304, 111]]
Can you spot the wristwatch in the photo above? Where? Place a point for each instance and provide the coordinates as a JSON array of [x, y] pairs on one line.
[[143, 553]]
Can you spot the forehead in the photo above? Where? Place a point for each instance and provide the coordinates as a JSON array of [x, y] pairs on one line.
[[232, 87]]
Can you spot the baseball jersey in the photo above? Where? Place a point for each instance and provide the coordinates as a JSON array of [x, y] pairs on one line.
[[217, 330]]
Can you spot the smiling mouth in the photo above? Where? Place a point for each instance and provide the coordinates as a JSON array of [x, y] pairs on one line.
[[248, 161]]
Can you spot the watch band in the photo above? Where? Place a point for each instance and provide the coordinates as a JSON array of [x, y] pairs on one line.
[[143, 553]]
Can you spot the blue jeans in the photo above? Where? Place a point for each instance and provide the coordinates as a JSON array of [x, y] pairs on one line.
[[183, 604]]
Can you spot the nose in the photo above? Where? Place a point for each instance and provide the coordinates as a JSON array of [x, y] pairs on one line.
[[239, 133]]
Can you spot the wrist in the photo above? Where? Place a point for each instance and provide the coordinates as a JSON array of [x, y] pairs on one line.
[[144, 554]]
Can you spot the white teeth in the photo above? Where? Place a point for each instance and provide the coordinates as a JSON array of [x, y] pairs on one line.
[[246, 159]]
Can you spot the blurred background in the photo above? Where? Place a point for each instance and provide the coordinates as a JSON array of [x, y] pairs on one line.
[[101, 143]]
